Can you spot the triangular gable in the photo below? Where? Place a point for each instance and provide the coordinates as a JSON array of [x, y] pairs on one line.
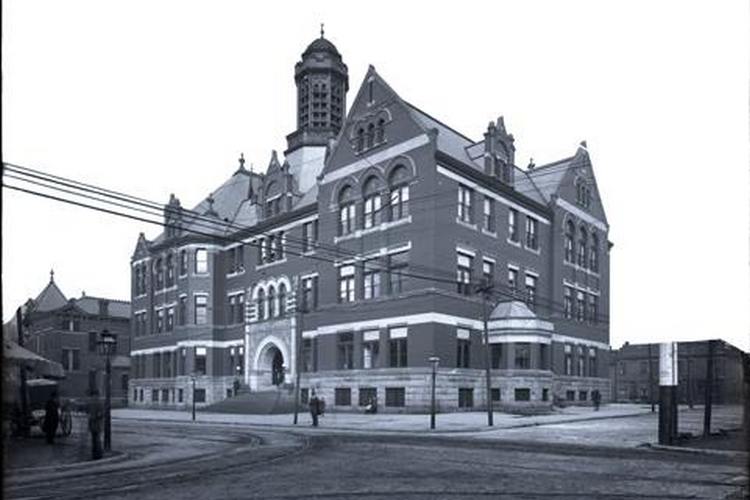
[[50, 298]]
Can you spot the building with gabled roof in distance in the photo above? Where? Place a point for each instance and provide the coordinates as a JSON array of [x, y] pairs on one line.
[[66, 330], [358, 255]]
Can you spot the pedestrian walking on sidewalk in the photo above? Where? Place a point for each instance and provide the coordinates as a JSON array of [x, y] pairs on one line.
[[96, 417], [51, 418], [314, 404]]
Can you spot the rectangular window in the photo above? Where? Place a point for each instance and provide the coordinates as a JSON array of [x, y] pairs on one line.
[[170, 318], [165, 395], [180, 395], [568, 302], [398, 347], [581, 361], [156, 365], [496, 355], [463, 348], [345, 349], [568, 359], [71, 359], [232, 309], [543, 356], [370, 349], [309, 235], [159, 320], [182, 362], [154, 395], [183, 262], [200, 395], [310, 293], [201, 261], [183, 310], [346, 283], [532, 230], [582, 395], [343, 396], [465, 397], [488, 215], [545, 394], [593, 372], [463, 273], [92, 341], [522, 355], [512, 280], [371, 278], [235, 259], [395, 396], [488, 271], [465, 195], [580, 306], [593, 299], [513, 225], [531, 282], [397, 267], [200, 360], [367, 395], [495, 394], [201, 309], [307, 355], [522, 394]]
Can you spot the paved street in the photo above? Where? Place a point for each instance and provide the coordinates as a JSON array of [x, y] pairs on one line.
[[208, 460]]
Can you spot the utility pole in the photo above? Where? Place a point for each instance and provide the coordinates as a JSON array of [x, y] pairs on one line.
[[301, 307], [22, 368], [709, 388], [668, 380], [485, 288], [689, 387], [651, 381]]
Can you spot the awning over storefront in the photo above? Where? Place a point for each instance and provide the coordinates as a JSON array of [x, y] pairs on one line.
[[14, 354]]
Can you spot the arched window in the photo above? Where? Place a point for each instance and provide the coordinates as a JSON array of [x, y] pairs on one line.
[[582, 247], [360, 139], [282, 299], [137, 280], [594, 253], [570, 231], [398, 183], [170, 270], [373, 201], [260, 305], [370, 135], [347, 211], [271, 302], [380, 132]]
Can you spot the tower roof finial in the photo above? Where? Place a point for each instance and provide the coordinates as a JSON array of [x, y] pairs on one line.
[[51, 275], [322, 30], [242, 161]]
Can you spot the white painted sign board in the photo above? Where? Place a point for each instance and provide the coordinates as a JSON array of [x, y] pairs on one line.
[[668, 363]]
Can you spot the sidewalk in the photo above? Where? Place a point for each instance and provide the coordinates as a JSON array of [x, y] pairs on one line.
[[463, 422]]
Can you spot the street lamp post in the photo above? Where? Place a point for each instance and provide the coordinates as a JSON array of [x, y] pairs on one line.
[[107, 346], [434, 360], [192, 379]]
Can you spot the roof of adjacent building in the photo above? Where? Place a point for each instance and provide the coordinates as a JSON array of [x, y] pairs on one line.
[[116, 308], [512, 309], [50, 298]]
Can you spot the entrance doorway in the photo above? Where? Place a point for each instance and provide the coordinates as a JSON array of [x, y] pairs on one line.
[[277, 367], [271, 370]]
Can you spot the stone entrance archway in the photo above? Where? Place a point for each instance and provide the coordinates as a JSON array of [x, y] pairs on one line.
[[270, 366]]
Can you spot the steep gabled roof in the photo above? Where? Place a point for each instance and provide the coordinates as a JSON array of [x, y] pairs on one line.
[[50, 298], [449, 141], [547, 178]]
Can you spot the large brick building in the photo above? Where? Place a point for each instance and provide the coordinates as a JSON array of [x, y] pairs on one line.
[[379, 222], [67, 330], [635, 372]]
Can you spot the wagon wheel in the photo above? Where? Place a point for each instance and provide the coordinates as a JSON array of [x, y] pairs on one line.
[[66, 422]]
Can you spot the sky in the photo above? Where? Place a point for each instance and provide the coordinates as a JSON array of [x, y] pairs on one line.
[[152, 98]]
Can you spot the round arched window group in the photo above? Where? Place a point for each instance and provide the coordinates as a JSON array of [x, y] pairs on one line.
[[381, 202], [581, 248]]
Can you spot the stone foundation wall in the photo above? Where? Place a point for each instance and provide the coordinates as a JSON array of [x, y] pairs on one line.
[[215, 387]]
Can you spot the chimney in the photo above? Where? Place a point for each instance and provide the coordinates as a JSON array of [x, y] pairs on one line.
[[490, 138]]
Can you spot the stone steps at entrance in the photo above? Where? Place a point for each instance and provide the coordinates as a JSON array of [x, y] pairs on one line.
[[256, 403]]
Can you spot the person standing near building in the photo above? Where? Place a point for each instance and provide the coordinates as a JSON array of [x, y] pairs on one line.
[[597, 398], [314, 408], [96, 416], [51, 418]]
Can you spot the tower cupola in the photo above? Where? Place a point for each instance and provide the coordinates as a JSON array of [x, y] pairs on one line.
[[322, 81]]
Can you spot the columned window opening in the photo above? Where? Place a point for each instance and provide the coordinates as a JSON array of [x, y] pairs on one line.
[[582, 246], [465, 195], [463, 277], [346, 283], [570, 231], [271, 302], [513, 225], [282, 299]]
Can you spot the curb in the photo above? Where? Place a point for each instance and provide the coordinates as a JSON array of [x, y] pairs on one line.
[[115, 457], [699, 451], [426, 431]]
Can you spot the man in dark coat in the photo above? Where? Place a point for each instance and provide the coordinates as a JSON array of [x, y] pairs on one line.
[[597, 397], [96, 417], [314, 408], [51, 418]]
